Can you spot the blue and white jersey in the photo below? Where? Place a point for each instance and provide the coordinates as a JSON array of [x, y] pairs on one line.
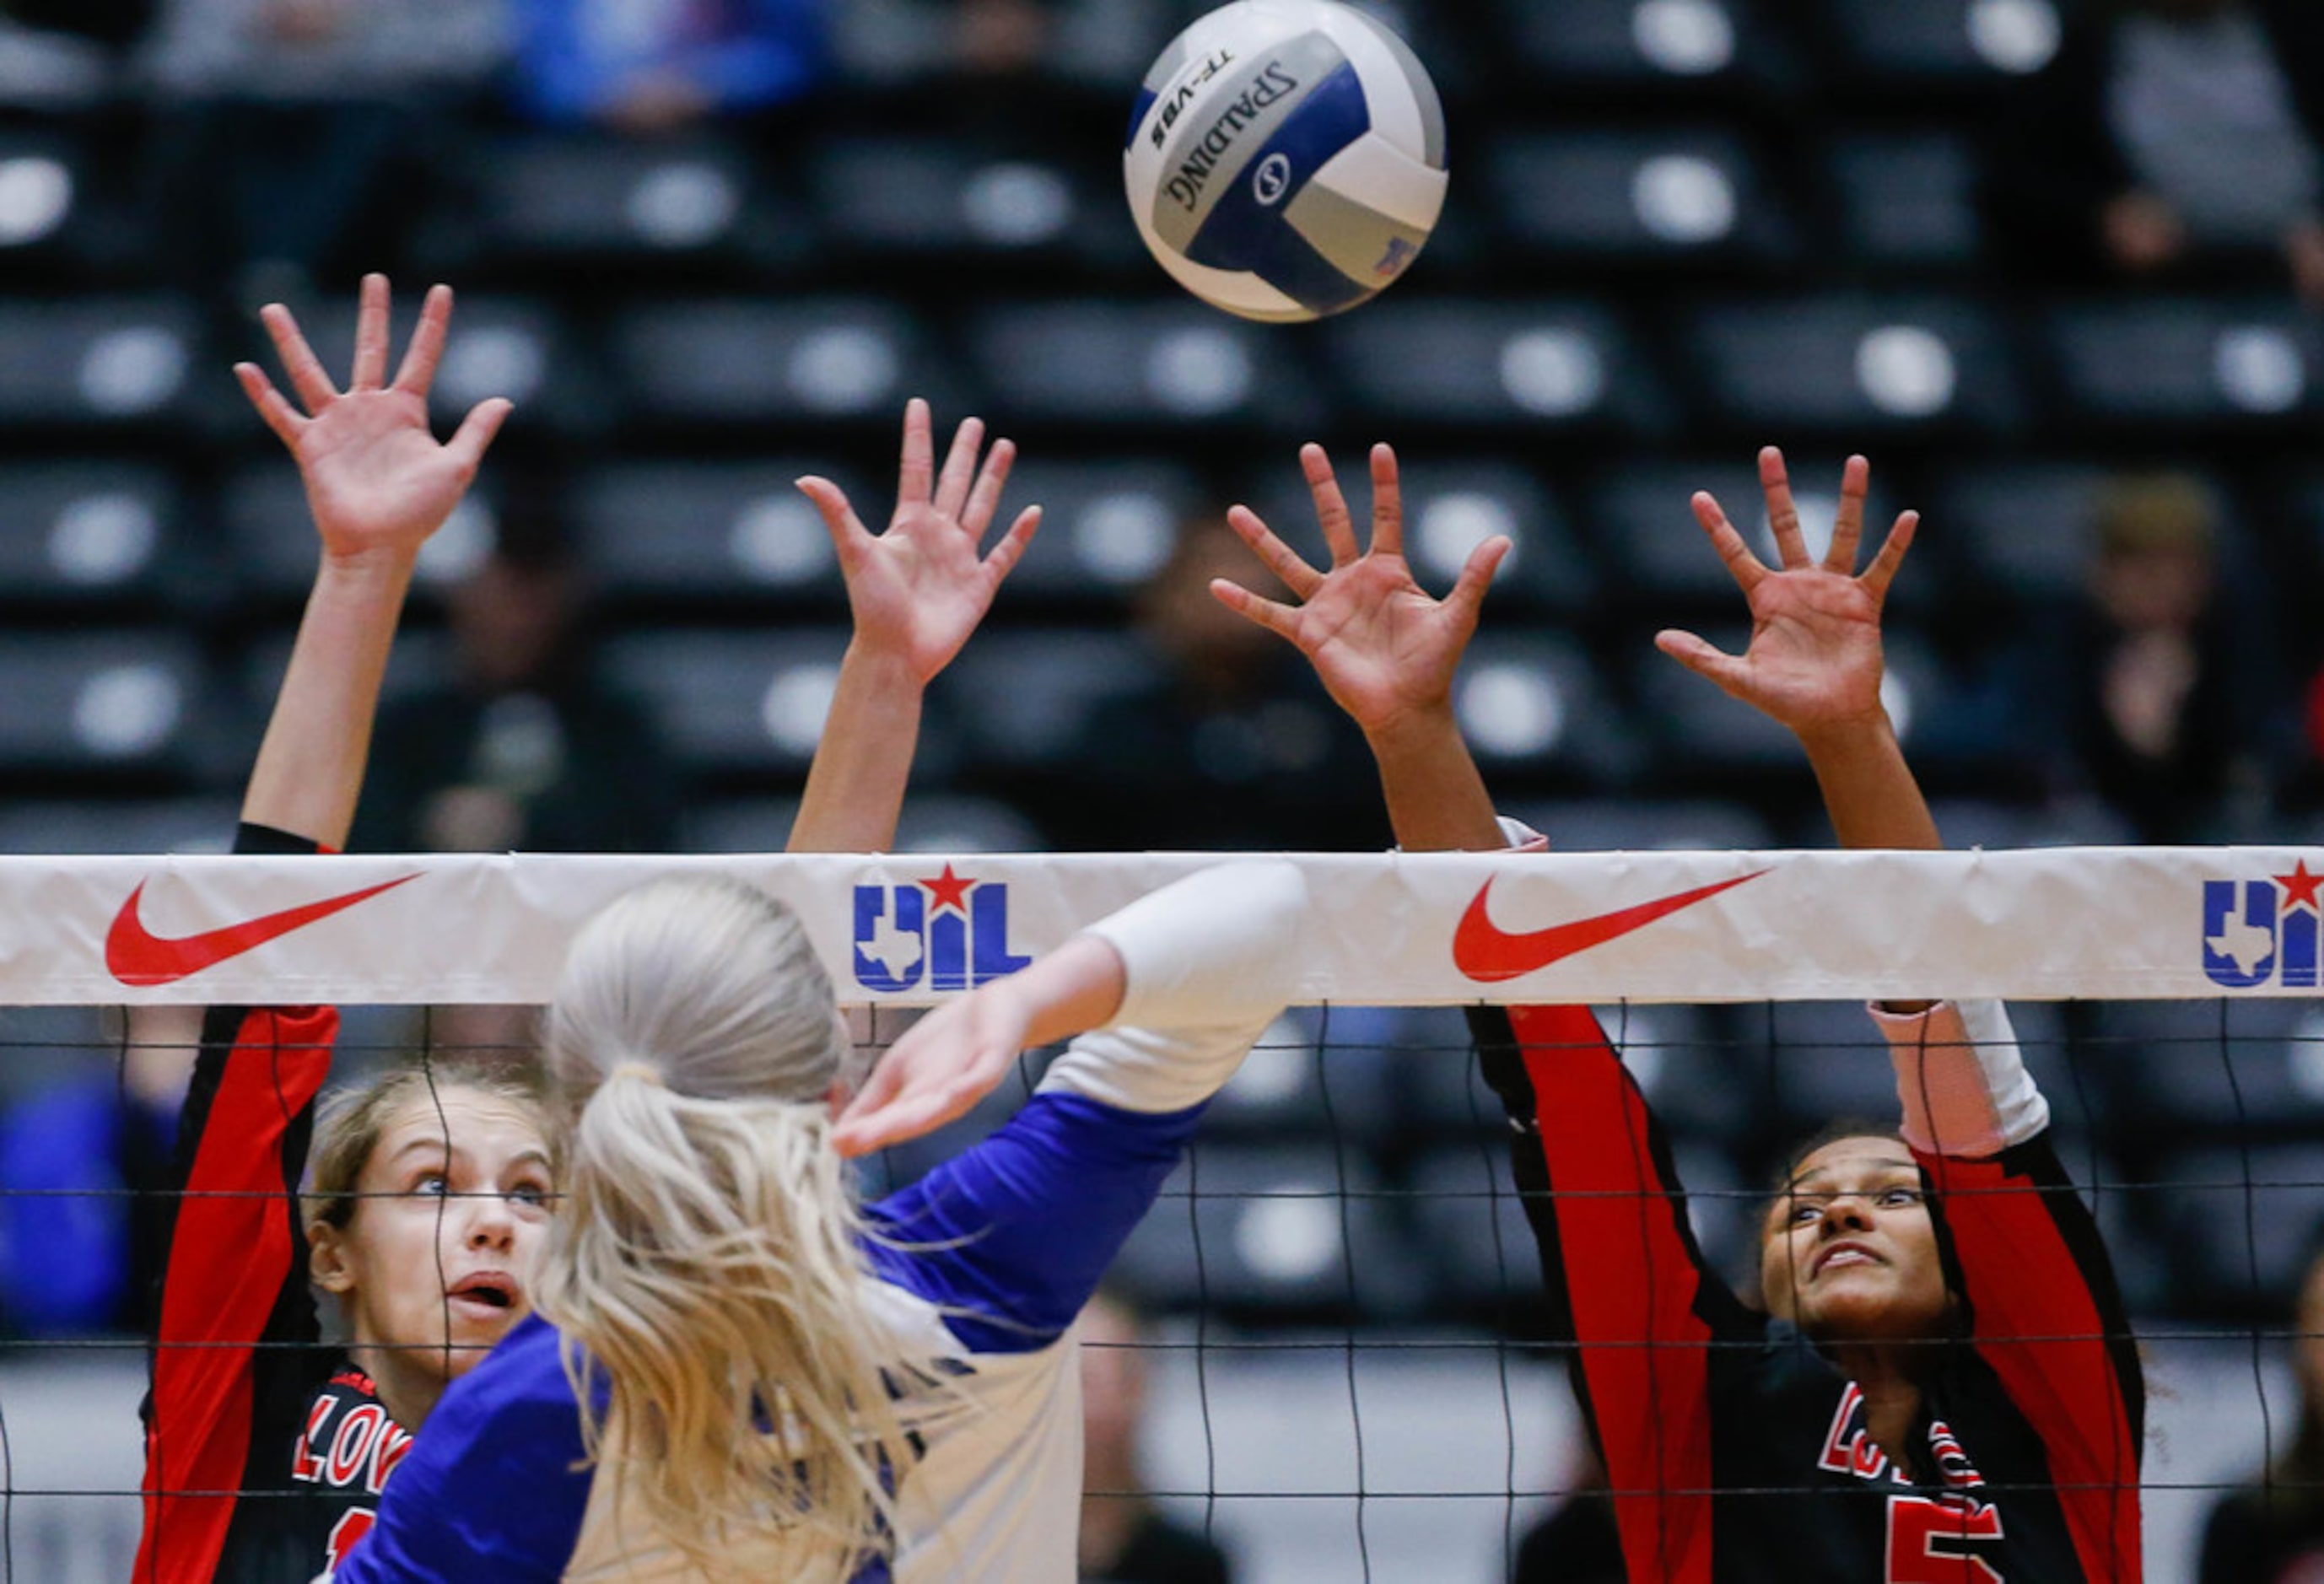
[[980, 1269]]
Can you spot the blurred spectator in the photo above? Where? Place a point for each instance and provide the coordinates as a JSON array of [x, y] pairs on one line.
[[76, 1152], [2273, 1533], [654, 66], [2167, 700], [1125, 1539], [525, 747], [290, 140], [2172, 134], [1226, 742]]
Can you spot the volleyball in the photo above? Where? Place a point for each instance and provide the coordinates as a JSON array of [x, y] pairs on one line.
[[1286, 158]]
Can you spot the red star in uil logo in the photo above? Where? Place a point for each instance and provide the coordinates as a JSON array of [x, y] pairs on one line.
[[2300, 888], [949, 891]]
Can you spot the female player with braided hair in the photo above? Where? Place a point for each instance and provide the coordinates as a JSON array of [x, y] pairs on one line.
[[265, 1449], [1943, 1386]]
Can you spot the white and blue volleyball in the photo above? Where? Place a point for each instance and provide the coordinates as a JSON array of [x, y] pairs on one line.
[[1287, 159]]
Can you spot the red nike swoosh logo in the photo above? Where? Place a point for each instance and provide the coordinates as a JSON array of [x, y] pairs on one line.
[[1489, 954], [136, 956]]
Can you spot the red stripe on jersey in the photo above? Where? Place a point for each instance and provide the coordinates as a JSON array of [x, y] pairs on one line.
[[1632, 1282], [2059, 1348], [233, 1248]]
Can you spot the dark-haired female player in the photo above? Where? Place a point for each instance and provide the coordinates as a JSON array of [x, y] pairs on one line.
[[1943, 1388]]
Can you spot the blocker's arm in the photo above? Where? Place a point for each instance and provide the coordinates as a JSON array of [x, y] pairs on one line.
[[917, 593], [378, 484]]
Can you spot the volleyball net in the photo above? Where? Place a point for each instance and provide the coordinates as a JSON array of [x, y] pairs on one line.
[[1351, 1370]]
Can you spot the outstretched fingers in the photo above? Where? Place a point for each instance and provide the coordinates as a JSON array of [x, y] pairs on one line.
[[1882, 571], [916, 475], [1331, 505], [371, 336], [417, 372], [1742, 566], [299, 363], [1281, 559], [475, 436], [279, 415], [848, 534], [1848, 527], [1002, 559], [1467, 595], [984, 499], [1782, 512], [1702, 657], [1388, 503], [960, 470], [1275, 616]]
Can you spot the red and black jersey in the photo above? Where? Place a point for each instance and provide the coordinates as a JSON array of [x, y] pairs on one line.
[[1736, 1452], [264, 1448]]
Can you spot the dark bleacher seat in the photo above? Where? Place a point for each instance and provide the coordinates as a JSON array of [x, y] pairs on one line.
[[1678, 50], [1973, 823], [2239, 1223], [1631, 825], [1139, 364], [1449, 509], [1831, 1063], [2174, 1073], [97, 364], [711, 534], [1850, 366], [1889, 47], [1101, 44], [506, 346], [1024, 698], [950, 199], [2172, 365], [83, 534], [1640, 514], [749, 363], [1267, 1231], [85, 703], [587, 204], [2023, 528], [1469, 1220], [1695, 198], [733, 702], [1106, 527], [1541, 367], [1536, 703], [272, 548], [189, 824], [1908, 200], [51, 229]]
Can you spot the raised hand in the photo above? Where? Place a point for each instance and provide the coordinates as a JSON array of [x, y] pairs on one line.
[[1385, 649], [1814, 660], [378, 481], [918, 590], [937, 1071]]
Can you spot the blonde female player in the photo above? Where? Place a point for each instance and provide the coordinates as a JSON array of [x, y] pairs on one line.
[[733, 1372], [265, 1450], [1943, 1388]]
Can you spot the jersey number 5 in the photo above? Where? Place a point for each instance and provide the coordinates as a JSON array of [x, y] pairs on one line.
[[1918, 1525]]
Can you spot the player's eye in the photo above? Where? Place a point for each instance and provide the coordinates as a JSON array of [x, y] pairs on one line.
[[433, 1184], [531, 1195], [1805, 1210], [1900, 1198]]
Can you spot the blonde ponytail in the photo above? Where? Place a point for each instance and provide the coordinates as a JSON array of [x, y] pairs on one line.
[[707, 1266]]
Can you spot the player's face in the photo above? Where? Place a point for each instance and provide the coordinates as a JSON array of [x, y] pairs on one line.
[[1850, 1253], [438, 1255]]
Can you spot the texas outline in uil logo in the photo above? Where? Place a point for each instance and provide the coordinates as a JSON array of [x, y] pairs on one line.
[[2255, 931], [951, 931]]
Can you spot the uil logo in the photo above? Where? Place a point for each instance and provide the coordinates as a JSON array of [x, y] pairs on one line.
[[951, 932], [2258, 931]]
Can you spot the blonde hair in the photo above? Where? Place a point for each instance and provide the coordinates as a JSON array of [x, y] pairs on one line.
[[707, 1263]]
